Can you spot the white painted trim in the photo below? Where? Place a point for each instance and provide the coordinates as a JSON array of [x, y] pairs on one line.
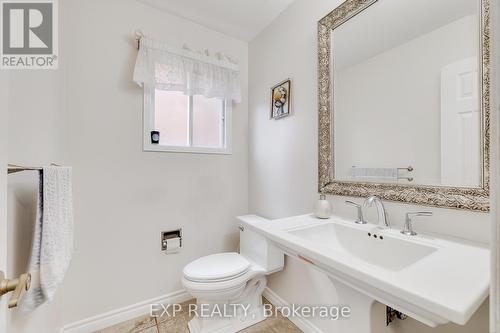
[[117, 316], [185, 149], [303, 324], [121, 315], [4, 127]]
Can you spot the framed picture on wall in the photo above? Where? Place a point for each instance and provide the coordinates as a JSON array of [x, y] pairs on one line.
[[280, 99]]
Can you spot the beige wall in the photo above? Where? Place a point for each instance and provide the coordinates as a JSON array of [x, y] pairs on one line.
[[283, 153], [88, 115]]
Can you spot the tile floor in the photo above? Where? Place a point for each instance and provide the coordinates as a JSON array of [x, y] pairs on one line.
[[178, 324]]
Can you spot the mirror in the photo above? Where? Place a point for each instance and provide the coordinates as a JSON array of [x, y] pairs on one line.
[[404, 101]]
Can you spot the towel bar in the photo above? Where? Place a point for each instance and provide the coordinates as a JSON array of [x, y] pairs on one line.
[[12, 168]]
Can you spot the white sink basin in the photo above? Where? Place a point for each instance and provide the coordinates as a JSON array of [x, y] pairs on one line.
[[386, 252], [431, 278]]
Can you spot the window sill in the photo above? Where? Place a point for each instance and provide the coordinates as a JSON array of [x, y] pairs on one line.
[[188, 150]]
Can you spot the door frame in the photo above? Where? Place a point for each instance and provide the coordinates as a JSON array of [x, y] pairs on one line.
[[4, 104]]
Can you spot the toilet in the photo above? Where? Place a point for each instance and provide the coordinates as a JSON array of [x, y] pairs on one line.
[[228, 286]]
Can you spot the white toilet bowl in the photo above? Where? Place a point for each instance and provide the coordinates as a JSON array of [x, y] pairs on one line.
[[228, 286], [228, 291]]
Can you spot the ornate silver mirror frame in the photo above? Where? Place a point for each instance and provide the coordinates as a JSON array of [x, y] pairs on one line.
[[476, 198]]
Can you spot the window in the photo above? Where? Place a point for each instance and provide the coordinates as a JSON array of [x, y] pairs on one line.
[[194, 124]]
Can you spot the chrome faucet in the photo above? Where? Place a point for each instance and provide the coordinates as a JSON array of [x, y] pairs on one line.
[[408, 228], [360, 219], [382, 215]]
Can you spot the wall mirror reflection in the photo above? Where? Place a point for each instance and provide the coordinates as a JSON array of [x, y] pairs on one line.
[[406, 100]]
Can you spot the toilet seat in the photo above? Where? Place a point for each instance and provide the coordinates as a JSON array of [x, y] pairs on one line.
[[218, 267]]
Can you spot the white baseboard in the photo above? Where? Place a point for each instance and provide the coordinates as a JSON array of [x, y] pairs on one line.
[[114, 317], [303, 324]]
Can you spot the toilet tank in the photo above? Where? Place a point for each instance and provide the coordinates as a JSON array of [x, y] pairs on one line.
[[256, 247]]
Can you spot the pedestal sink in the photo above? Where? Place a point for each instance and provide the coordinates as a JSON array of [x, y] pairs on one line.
[[433, 279], [371, 247]]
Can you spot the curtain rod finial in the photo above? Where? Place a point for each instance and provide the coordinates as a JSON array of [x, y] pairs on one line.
[[138, 36], [138, 33]]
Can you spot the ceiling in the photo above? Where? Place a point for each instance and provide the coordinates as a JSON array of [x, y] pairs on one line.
[[242, 19]]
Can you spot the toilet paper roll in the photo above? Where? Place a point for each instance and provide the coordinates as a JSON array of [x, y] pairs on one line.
[[173, 245]]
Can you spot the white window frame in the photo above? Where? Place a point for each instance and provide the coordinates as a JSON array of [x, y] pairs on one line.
[[149, 125]]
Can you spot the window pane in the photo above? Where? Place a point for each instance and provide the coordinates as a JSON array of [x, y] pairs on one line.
[[207, 121], [171, 117]]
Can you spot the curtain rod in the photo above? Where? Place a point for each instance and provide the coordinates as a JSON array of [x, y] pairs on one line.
[[219, 59]]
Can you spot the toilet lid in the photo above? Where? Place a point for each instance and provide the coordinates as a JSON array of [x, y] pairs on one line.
[[216, 267]]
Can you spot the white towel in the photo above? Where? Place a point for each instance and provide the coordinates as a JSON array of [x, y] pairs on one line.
[[374, 173], [53, 238]]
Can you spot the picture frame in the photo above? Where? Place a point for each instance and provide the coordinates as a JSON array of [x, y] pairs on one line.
[[281, 99]]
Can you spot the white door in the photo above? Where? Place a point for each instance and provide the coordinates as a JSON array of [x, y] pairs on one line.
[[3, 192], [460, 124]]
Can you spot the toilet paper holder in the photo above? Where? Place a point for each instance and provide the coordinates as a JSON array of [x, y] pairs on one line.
[[169, 235]]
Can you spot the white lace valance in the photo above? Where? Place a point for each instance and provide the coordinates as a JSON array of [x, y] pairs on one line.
[[167, 68]]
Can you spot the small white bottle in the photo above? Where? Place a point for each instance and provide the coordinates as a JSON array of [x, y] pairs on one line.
[[322, 208]]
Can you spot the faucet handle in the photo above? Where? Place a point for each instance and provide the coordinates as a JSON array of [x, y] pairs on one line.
[[408, 228], [360, 219]]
